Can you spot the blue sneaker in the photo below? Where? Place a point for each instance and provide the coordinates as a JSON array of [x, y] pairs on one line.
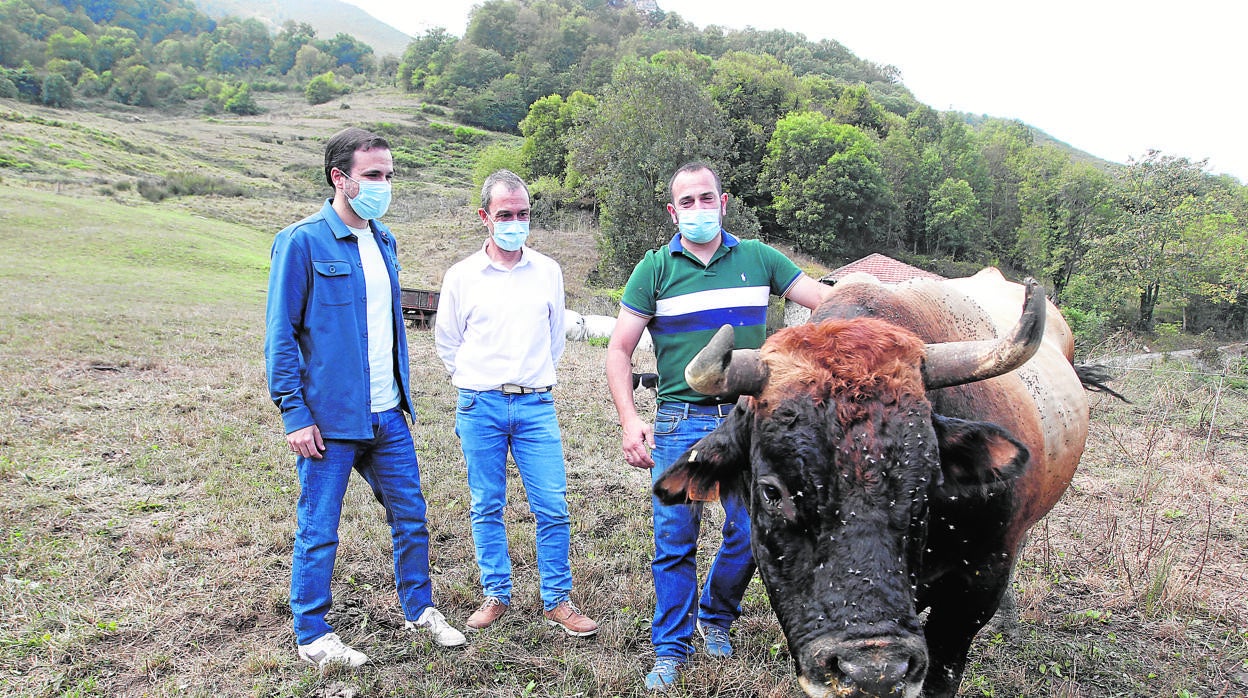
[[717, 642], [663, 674]]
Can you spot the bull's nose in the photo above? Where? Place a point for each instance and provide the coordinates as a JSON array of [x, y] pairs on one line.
[[883, 666]]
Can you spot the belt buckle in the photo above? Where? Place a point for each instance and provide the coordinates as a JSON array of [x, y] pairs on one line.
[[512, 389], [722, 412]]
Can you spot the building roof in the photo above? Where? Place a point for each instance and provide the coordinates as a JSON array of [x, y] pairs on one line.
[[886, 269]]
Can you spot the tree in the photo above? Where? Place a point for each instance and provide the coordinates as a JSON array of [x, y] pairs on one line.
[[350, 52], [754, 92], [953, 218], [546, 130], [1064, 208], [426, 54], [323, 88], [238, 100], [828, 189], [1158, 198], [293, 36], [133, 86], [57, 92], [650, 120]]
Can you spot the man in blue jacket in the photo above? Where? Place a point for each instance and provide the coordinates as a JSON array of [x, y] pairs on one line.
[[336, 355]]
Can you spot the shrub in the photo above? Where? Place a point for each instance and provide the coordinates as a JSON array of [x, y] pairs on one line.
[[323, 88], [57, 92]]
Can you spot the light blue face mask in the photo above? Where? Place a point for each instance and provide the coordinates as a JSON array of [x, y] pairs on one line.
[[510, 235], [372, 200], [699, 225]]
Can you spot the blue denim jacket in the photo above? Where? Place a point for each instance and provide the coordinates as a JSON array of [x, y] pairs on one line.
[[315, 342]]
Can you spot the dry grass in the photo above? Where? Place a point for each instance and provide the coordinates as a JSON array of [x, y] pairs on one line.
[[145, 531]]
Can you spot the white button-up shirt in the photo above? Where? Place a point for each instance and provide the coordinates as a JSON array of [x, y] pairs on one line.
[[496, 325]]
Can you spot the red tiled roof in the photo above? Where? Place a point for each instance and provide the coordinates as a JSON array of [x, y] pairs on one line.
[[886, 269]]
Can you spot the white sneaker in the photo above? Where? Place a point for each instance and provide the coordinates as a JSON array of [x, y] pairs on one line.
[[330, 648], [442, 632]]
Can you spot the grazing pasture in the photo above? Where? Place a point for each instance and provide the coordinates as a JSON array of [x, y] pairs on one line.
[[147, 516]]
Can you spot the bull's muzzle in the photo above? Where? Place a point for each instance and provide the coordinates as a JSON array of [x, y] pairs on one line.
[[874, 667]]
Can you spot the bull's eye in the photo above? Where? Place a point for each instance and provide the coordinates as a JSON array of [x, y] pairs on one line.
[[775, 497]]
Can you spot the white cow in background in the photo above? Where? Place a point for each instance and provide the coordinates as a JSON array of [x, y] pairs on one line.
[[582, 328]]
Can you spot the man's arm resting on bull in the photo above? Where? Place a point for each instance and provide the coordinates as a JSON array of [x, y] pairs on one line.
[[638, 436], [808, 292]]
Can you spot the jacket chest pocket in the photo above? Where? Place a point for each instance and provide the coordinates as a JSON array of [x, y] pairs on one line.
[[333, 282]]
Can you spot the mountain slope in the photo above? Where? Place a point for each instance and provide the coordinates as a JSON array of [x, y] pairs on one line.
[[327, 17]]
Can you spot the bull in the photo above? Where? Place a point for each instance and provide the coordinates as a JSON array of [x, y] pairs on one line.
[[893, 452]]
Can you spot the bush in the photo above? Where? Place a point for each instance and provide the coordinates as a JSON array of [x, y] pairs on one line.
[[57, 92], [323, 88]]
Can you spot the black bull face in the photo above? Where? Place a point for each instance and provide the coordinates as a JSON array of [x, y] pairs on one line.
[[866, 506]]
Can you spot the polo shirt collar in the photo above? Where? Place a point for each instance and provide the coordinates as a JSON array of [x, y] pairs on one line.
[[675, 246]]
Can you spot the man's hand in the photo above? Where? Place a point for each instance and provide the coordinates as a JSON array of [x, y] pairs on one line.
[[306, 442], [638, 441]]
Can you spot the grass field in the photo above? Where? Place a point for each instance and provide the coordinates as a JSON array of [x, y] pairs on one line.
[[147, 516]]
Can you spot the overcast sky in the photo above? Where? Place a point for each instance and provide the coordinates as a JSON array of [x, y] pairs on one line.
[[1112, 77]]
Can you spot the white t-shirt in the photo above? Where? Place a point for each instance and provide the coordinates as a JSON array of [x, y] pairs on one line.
[[385, 389]]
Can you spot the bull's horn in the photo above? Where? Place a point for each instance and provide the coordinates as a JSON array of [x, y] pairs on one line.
[[956, 363], [725, 372]]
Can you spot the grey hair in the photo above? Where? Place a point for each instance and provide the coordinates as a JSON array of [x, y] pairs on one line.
[[505, 177]]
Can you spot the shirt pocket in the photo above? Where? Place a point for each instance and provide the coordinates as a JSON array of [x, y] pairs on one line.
[[333, 282]]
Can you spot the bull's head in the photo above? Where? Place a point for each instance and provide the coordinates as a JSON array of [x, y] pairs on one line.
[[838, 454]]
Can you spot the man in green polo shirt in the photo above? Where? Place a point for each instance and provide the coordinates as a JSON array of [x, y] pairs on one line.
[[684, 292]]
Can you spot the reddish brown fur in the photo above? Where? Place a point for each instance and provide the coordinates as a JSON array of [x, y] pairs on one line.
[[866, 362]]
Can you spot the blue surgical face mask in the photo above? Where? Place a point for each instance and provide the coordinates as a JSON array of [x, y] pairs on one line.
[[372, 200], [698, 225], [510, 235]]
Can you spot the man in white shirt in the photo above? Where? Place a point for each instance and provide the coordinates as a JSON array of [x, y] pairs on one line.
[[499, 332]]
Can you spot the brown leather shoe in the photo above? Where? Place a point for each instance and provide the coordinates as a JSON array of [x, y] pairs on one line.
[[573, 622], [490, 610]]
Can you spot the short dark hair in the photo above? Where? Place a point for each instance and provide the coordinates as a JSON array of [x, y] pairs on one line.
[[341, 147], [506, 177], [694, 167]]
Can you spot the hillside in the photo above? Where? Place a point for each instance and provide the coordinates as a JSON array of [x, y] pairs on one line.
[[327, 17], [270, 168]]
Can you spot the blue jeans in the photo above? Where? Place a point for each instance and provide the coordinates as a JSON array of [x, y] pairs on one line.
[[388, 463], [488, 424], [676, 528]]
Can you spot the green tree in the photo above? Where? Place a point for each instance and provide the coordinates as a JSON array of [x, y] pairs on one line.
[[827, 187], [547, 128], [292, 37], [349, 52], [754, 92], [1158, 199], [239, 100], [953, 219], [116, 45], [323, 88], [133, 86], [650, 120], [70, 44], [57, 92], [425, 55], [1064, 208]]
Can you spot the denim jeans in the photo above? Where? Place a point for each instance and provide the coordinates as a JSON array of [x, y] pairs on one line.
[[676, 544], [488, 424], [388, 463]]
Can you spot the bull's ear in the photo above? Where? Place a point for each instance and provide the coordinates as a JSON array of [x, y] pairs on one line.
[[717, 461], [977, 454]]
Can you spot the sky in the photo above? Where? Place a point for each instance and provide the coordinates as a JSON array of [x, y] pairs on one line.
[[1114, 78]]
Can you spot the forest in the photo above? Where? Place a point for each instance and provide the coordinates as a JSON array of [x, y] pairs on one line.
[[819, 149]]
